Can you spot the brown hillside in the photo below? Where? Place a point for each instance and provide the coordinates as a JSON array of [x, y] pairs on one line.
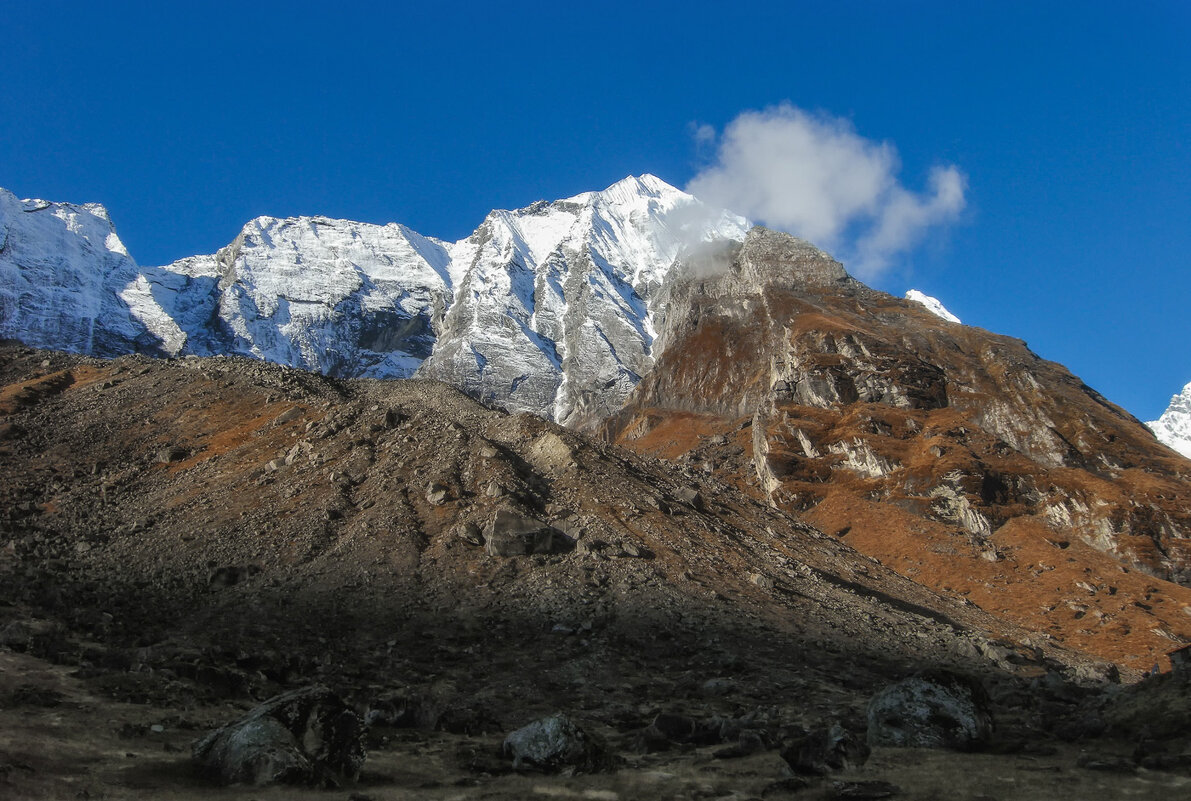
[[954, 456], [180, 540]]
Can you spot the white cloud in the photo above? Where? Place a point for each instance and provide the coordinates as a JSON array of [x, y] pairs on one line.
[[703, 134], [813, 176]]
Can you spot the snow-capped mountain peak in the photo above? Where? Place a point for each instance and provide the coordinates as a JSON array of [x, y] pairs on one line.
[[576, 278], [61, 267], [1173, 428], [548, 308], [933, 305]]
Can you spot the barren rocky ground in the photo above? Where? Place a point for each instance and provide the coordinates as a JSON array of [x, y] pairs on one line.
[[181, 540]]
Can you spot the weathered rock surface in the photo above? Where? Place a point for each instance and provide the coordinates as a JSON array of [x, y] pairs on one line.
[[512, 534], [937, 711], [307, 736], [553, 743]]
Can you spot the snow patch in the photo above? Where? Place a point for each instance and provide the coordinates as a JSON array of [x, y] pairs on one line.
[[933, 305], [1173, 428]]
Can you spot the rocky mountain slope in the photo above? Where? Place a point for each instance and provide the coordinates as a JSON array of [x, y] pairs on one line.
[[868, 414], [1173, 428], [956, 457], [548, 309], [182, 539]]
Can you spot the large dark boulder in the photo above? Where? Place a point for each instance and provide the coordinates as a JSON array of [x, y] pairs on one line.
[[307, 736], [554, 743], [930, 711]]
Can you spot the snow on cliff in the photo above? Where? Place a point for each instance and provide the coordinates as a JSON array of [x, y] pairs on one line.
[[548, 309], [1173, 428], [61, 269]]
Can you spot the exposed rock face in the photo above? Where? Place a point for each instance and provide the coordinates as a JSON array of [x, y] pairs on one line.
[[548, 309], [1173, 428], [956, 455]]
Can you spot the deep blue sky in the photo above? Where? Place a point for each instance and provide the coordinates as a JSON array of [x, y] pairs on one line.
[[1072, 122]]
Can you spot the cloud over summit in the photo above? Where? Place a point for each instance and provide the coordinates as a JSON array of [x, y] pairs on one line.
[[813, 176]]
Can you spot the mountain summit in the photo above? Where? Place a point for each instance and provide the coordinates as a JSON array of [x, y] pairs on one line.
[[1173, 428], [548, 309]]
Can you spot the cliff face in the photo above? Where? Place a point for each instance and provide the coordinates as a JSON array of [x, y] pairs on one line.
[[62, 268], [957, 456]]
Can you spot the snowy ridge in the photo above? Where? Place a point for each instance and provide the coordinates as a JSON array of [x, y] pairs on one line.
[[554, 311], [548, 309], [1173, 428], [933, 305]]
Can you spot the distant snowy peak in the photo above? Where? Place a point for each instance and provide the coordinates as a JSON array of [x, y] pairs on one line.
[[61, 267], [1173, 428], [932, 305], [547, 308], [554, 311]]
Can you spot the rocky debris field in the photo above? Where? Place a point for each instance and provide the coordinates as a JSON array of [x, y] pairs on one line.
[[386, 590]]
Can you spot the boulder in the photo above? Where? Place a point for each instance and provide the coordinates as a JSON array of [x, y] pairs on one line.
[[470, 533], [692, 497], [930, 711], [554, 743], [307, 736], [510, 533], [550, 454], [230, 575], [172, 454], [666, 729], [823, 751]]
